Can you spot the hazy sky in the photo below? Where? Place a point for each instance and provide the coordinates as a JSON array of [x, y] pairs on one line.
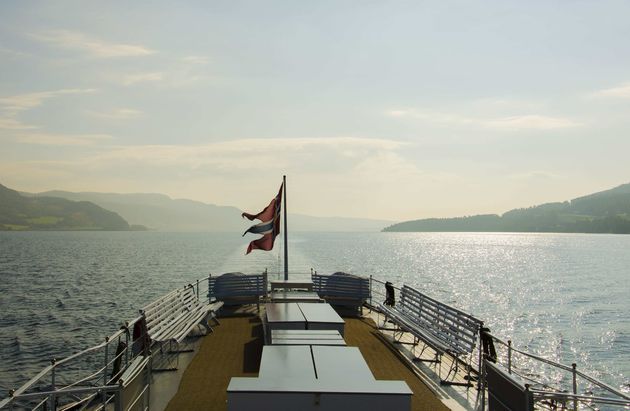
[[383, 109]]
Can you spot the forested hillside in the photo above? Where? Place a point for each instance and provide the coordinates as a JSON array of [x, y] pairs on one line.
[[604, 212], [18, 212]]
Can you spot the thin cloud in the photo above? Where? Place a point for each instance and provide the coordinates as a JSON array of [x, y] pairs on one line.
[[535, 175], [131, 79], [513, 123], [248, 153], [530, 122], [13, 53], [62, 139], [22, 102], [9, 123], [433, 116], [620, 91], [11, 106], [34, 172], [359, 156], [117, 114], [196, 59], [94, 47], [177, 72], [504, 104], [399, 113]]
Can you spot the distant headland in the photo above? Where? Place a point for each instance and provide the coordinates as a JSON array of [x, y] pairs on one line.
[[604, 212], [64, 210], [26, 213]]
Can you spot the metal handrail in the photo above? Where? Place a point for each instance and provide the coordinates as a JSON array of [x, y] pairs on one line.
[[102, 388], [546, 394], [56, 366], [101, 374], [91, 349], [572, 369], [565, 395], [21, 394]]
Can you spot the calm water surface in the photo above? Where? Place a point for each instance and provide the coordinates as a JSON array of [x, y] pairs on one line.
[[564, 296]]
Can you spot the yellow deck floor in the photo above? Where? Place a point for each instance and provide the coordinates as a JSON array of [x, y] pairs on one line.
[[234, 350]]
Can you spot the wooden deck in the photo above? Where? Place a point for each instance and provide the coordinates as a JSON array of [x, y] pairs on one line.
[[235, 347]]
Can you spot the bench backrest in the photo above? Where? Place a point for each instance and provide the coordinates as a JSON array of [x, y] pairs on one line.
[[235, 285], [456, 328], [341, 285], [168, 307]]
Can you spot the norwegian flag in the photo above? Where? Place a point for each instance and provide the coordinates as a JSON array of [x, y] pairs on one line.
[[269, 226]]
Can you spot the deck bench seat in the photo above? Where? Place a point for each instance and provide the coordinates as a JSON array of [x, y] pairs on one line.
[[238, 288], [406, 324], [173, 316], [445, 329], [342, 289]]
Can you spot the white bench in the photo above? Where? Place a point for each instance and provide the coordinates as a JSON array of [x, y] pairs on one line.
[[238, 288], [441, 327], [173, 316], [342, 289]]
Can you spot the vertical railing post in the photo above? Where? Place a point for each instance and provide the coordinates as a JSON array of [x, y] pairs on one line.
[[286, 232], [148, 381], [197, 289], [53, 398], [527, 398], [266, 277], [53, 362], [127, 343], [103, 396], [118, 405], [509, 359], [209, 295], [482, 380], [146, 384], [480, 364], [106, 360], [370, 292], [574, 372]]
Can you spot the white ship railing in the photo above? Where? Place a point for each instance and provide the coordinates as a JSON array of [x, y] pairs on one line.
[[66, 382], [554, 385], [91, 379]]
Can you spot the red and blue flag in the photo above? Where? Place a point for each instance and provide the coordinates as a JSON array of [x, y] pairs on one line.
[[269, 226]]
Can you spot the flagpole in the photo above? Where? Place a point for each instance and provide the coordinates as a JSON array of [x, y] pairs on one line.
[[286, 243]]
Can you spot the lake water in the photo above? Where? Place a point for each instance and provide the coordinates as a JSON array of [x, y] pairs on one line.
[[564, 296]]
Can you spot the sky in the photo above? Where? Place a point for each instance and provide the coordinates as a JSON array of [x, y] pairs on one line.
[[390, 110]]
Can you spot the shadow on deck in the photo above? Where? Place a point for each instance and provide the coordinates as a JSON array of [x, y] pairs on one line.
[[234, 350]]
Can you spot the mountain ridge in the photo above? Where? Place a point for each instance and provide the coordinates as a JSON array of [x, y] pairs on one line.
[[19, 213], [161, 212], [605, 211]]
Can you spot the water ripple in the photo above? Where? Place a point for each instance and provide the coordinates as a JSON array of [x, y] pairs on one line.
[[565, 297]]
